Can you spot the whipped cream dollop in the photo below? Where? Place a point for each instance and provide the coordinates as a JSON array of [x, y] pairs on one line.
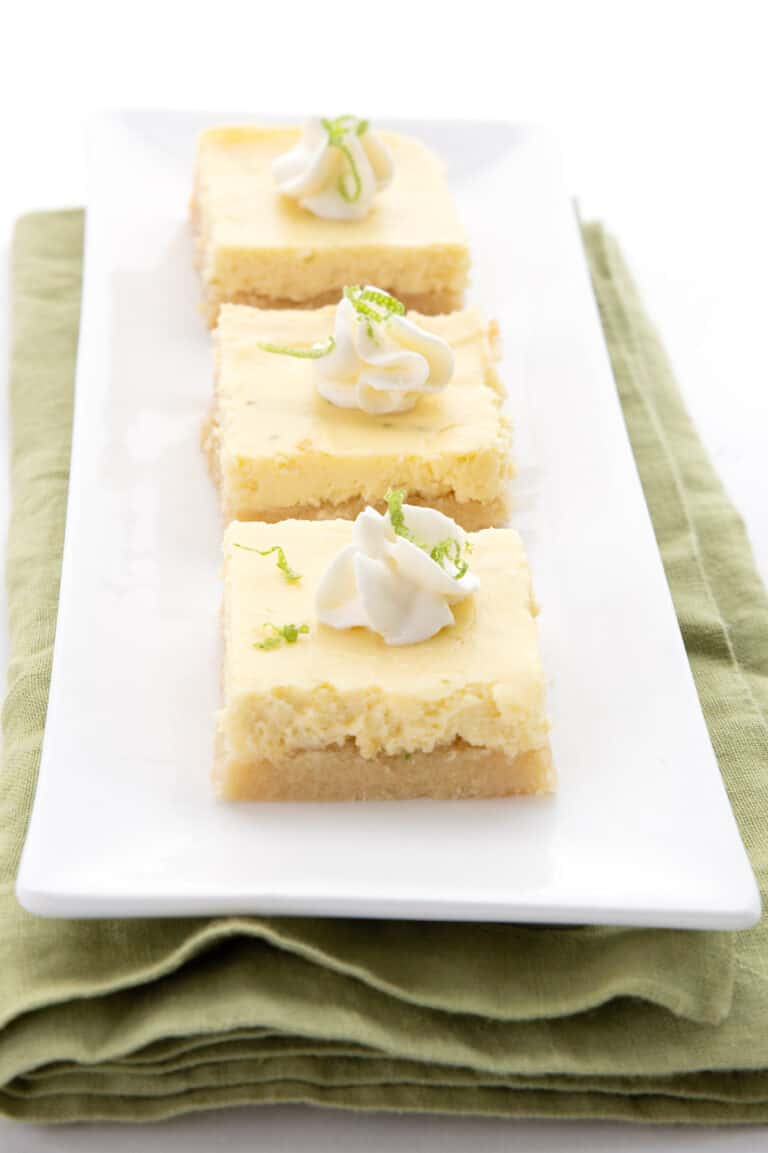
[[336, 168], [401, 587], [380, 361]]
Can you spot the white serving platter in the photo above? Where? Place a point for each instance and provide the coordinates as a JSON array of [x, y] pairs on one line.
[[125, 822]]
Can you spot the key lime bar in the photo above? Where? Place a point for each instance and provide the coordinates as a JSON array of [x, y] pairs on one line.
[[279, 450], [257, 246], [313, 713]]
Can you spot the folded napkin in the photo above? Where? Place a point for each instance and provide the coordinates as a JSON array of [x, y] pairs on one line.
[[136, 1020]]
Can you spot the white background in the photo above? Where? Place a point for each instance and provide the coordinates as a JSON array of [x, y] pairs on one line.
[[661, 110]]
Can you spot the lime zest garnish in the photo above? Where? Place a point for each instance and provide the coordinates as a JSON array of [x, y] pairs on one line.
[[337, 131], [373, 306], [394, 498], [449, 549], [338, 126], [357, 184], [268, 643], [374, 303], [314, 353], [281, 634], [282, 562]]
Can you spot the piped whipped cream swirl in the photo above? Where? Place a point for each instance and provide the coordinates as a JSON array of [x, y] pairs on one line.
[[380, 361], [336, 169], [399, 586]]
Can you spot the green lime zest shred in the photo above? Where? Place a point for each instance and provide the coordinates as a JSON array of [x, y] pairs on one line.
[[272, 642], [282, 561], [350, 195], [281, 634], [337, 126], [450, 549], [373, 303], [338, 130], [373, 306], [314, 353], [394, 498], [445, 550]]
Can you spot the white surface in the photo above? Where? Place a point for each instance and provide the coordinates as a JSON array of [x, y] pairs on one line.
[[661, 110], [293, 1130], [136, 674]]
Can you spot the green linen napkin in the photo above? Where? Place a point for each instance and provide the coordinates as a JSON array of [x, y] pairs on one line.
[[136, 1020]]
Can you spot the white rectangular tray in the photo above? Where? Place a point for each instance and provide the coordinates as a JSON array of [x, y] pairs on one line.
[[125, 822]]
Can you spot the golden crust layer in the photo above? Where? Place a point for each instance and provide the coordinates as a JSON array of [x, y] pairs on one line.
[[459, 771]]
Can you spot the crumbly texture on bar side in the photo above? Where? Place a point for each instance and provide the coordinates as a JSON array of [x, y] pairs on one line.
[[472, 515], [447, 298]]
